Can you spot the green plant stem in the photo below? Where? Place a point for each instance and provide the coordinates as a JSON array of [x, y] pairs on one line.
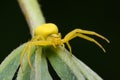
[[32, 12]]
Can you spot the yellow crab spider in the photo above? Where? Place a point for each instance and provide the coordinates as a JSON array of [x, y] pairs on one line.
[[48, 35]]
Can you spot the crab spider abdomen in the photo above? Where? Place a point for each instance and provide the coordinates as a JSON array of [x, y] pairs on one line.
[[46, 30]]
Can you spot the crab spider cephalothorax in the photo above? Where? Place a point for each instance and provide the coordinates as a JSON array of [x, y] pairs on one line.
[[48, 35]]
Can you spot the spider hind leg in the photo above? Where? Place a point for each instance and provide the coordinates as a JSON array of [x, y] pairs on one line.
[[80, 33], [91, 40], [69, 47], [91, 33]]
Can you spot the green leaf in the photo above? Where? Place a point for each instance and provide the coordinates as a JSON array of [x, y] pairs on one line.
[[63, 64], [86, 71], [25, 73], [68, 67], [10, 64], [41, 67], [39, 64]]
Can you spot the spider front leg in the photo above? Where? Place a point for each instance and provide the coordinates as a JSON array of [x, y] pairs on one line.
[[80, 33], [22, 55], [39, 37], [27, 49], [29, 56], [35, 43]]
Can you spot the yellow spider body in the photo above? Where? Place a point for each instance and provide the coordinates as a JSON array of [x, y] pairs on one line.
[[46, 29], [48, 35]]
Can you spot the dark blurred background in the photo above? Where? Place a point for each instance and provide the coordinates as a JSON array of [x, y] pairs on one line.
[[98, 16]]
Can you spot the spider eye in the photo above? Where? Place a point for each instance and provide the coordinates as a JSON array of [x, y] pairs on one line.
[[46, 29]]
